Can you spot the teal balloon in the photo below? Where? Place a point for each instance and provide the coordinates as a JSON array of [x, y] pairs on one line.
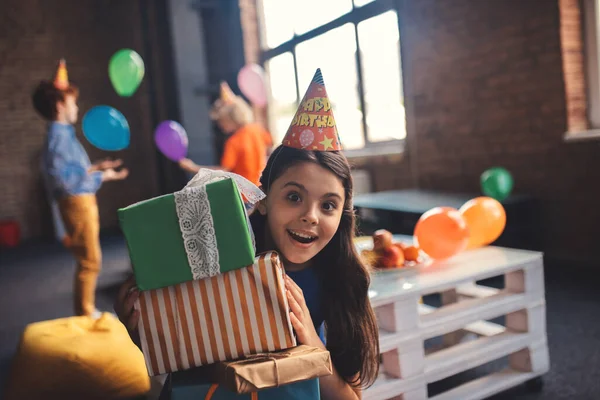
[[106, 128], [126, 71], [497, 183]]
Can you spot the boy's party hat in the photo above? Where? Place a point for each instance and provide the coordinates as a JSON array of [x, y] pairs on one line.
[[61, 80], [313, 126], [227, 95]]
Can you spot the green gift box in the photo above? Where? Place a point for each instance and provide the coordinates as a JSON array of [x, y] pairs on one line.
[[198, 232]]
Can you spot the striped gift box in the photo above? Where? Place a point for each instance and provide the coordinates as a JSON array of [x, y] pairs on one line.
[[221, 318]]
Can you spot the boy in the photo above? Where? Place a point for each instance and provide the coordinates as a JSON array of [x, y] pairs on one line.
[[72, 182], [247, 148]]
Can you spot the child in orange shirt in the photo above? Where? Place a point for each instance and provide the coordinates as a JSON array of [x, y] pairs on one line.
[[247, 148]]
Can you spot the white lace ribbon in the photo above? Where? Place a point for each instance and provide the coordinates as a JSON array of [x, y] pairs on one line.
[[198, 231], [196, 222], [252, 192]]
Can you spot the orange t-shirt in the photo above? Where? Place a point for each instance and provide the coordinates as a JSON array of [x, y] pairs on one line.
[[245, 152]]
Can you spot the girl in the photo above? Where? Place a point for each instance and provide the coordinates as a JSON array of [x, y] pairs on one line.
[[308, 218]]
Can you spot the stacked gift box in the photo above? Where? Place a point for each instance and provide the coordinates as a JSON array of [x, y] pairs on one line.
[[206, 300]]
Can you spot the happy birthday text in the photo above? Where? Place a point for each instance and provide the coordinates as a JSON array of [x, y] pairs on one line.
[[307, 118]]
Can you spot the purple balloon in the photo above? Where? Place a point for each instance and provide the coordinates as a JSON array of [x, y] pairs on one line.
[[171, 139]]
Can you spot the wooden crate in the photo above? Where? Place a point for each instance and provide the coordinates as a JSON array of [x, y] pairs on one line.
[[405, 323]]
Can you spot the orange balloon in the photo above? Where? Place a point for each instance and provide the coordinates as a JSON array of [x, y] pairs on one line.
[[486, 219], [441, 232]]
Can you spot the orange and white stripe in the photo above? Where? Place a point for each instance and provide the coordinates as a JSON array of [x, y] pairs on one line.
[[220, 318]]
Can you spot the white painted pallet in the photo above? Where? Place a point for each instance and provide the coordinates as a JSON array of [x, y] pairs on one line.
[[405, 324]]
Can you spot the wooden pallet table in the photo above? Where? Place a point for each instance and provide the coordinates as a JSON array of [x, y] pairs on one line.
[[405, 323]]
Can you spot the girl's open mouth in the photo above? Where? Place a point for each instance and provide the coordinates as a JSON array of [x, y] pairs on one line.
[[302, 237]]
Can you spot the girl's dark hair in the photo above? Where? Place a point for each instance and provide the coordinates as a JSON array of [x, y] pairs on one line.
[[45, 97], [352, 333]]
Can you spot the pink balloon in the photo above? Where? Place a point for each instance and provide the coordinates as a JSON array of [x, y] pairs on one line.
[[251, 80]]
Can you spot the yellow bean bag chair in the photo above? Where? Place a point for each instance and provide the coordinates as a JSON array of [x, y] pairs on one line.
[[77, 358]]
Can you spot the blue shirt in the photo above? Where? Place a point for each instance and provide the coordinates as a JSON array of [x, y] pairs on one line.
[[65, 166], [308, 281]]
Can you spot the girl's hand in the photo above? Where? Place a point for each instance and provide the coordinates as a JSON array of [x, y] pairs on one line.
[[300, 316], [128, 294]]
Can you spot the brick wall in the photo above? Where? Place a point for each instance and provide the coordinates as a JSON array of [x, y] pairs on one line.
[[488, 89], [33, 36]]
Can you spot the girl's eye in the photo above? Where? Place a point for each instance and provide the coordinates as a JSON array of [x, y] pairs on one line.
[[293, 197], [329, 206]]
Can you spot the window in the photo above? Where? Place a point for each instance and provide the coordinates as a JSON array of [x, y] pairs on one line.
[[382, 83], [340, 63], [282, 106], [592, 67], [307, 18], [580, 34], [360, 3], [275, 32], [357, 46]]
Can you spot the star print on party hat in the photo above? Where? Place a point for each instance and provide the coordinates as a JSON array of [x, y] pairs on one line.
[[227, 95], [313, 126], [61, 80]]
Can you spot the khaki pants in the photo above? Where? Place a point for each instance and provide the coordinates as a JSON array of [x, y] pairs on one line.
[[82, 223]]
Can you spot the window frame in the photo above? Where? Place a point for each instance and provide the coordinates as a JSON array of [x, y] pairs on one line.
[[589, 34], [357, 15], [591, 21]]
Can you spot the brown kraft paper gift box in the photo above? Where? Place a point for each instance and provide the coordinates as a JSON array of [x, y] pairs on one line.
[[267, 370]]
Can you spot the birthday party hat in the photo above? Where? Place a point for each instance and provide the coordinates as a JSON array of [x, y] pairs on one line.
[[227, 95], [61, 80], [313, 126]]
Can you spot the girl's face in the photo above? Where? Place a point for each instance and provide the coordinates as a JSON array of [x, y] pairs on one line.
[[303, 207]]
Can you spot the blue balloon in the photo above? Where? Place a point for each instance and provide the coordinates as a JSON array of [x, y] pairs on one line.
[[106, 128]]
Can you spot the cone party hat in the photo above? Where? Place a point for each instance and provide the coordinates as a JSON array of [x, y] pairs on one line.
[[61, 80], [227, 95], [313, 126]]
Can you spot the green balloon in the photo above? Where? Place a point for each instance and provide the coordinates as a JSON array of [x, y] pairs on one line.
[[497, 183], [126, 71]]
